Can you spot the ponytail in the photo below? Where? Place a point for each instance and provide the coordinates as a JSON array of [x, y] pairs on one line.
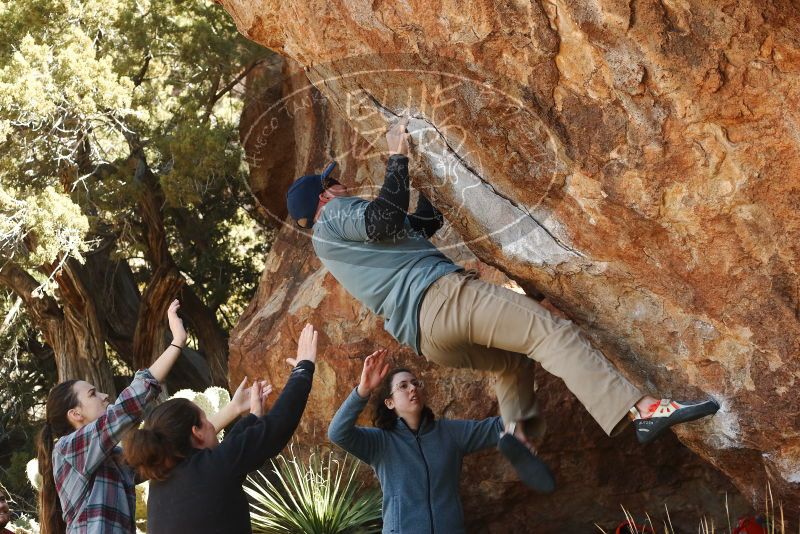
[[60, 400], [164, 439]]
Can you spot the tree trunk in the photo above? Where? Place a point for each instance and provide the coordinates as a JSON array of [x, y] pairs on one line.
[[118, 305], [150, 340], [152, 334], [73, 331], [116, 298], [81, 349], [212, 339]]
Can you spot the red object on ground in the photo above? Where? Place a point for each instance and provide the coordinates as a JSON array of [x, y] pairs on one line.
[[750, 525], [628, 527]]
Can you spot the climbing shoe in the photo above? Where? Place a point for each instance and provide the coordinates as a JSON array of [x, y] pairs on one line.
[[668, 413], [532, 471]]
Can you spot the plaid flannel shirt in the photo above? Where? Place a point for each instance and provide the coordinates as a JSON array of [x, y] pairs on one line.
[[95, 487]]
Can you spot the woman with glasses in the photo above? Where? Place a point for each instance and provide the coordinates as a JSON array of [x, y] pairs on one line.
[[416, 457]]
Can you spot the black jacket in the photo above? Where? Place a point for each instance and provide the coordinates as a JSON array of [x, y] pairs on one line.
[[385, 216], [204, 492]]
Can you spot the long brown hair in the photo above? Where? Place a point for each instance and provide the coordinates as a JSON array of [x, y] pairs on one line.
[[164, 439], [382, 416], [61, 399]]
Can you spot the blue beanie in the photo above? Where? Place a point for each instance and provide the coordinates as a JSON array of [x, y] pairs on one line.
[[302, 198]]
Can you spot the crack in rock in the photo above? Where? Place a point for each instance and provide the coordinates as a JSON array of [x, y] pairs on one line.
[[510, 225]]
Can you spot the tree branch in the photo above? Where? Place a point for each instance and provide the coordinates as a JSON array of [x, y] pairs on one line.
[[72, 330], [166, 280], [43, 309], [225, 90], [212, 92], [139, 78]]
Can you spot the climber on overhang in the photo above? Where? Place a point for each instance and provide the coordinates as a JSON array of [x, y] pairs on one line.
[[382, 257]]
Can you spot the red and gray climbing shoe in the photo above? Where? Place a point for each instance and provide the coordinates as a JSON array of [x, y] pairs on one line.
[[667, 413]]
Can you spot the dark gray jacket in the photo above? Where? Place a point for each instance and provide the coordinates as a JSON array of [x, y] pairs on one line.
[[418, 472]]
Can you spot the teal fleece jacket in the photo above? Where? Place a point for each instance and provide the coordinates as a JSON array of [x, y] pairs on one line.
[[418, 471]]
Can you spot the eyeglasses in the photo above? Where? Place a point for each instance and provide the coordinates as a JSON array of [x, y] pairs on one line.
[[406, 384]]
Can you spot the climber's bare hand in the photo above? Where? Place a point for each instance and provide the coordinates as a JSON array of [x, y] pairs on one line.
[[397, 137]]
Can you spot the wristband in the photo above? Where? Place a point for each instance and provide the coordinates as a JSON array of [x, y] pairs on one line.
[[176, 346]]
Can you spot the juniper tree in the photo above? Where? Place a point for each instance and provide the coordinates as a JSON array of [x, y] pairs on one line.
[[121, 179]]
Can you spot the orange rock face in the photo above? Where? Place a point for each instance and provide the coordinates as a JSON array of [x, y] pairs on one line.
[[595, 474], [635, 162]]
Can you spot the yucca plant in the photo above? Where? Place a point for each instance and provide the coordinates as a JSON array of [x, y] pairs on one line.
[[318, 497]]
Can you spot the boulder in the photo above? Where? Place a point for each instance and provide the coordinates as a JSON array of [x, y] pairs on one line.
[[635, 162], [595, 474]]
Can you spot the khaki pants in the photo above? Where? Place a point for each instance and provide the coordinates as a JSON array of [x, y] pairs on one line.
[[468, 323]]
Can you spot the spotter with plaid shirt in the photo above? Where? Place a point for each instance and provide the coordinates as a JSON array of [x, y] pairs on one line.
[[86, 487]]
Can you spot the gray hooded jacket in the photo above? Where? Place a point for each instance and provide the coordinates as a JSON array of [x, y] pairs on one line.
[[418, 472]]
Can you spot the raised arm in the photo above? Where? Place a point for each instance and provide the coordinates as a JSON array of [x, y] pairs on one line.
[[86, 448], [427, 219], [366, 444], [264, 436], [239, 404], [473, 436], [385, 216], [163, 364]]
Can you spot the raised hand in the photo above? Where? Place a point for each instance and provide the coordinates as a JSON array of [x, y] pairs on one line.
[[397, 137], [259, 392], [373, 372], [176, 324], [306, 346], [161, 367], [240, 401]]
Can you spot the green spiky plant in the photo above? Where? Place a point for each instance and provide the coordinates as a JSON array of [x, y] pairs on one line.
[[321, 496]]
